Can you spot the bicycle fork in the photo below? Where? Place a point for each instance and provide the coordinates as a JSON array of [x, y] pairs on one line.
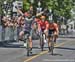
[[52, 46]]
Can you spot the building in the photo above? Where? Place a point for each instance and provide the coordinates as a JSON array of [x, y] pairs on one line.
[[71, 22], [19, 4]]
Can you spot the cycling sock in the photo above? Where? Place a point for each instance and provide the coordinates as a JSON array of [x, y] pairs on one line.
[[30, 49]]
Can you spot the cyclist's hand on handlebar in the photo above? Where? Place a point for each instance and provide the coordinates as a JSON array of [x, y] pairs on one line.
[[45, 31]]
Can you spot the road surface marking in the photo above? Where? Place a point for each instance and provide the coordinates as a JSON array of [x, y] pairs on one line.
[[44, 52]]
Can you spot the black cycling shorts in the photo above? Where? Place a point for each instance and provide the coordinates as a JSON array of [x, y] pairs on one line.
[[28, 32], [50, 32]]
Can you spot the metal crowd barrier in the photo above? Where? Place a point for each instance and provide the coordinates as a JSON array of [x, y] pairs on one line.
[[12, 34], [9, 33], [0, 33]]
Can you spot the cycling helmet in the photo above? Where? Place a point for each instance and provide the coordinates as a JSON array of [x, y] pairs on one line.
[[51, 21]]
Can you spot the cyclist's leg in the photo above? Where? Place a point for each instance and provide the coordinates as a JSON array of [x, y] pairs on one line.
[[49, 43], [55, 36], [21, 34], [30, 40], [46, 34], [49, 39], [40, 36]]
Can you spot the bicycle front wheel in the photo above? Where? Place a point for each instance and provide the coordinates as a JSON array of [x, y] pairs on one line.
[[42, 42], [52, 46], [27, 41]]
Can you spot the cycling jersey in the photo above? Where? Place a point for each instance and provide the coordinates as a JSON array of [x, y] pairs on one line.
[[43, 25], [28, 23], [35, 22], [53, 26]]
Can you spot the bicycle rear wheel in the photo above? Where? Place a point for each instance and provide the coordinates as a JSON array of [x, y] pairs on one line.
[[42, 42], [27, 41], [52, 46]]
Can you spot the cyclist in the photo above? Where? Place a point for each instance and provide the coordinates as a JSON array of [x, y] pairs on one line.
[[43, 26], [27, 29], [52, 29]]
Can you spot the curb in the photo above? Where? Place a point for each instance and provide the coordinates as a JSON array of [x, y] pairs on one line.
[[66, 36]]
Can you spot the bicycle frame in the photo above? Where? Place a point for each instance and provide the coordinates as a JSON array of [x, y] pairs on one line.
[[52, 43], [26, 40], [42, 41]]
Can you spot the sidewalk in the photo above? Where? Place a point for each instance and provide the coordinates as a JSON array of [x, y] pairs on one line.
[[69, 35]]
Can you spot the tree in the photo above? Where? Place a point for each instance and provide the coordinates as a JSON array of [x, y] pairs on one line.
[[1, 4], [60, 7], [26, 5]]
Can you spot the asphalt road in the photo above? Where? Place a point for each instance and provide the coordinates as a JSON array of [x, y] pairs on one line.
[[15, 52]]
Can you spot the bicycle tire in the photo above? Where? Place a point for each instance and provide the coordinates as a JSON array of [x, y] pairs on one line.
[[52, 46], [42, 43], [27, 47], [42, 46]]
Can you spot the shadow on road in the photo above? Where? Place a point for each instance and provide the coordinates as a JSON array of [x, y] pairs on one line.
[[31, 55], [15, 45], [65, 48], [10, 45], [56, 54]]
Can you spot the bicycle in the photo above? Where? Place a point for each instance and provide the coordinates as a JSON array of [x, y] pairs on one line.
[[52, 43], [26, 40], [42, 38]]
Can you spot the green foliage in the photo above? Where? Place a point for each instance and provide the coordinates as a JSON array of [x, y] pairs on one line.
[[1, 3], [60, 7], [26, 5]]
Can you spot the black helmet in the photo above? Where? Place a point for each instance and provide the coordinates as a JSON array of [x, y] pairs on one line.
[[51, 21]]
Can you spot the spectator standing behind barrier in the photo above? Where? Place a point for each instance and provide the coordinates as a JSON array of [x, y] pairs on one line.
[[5, 23], [67, 27], [72, 28], [63, 29]]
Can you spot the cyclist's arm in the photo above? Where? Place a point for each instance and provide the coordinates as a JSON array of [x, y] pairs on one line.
[[19, 11], [39, 27], [47, 26], [33, 24], [38, 14], [57, 29]]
